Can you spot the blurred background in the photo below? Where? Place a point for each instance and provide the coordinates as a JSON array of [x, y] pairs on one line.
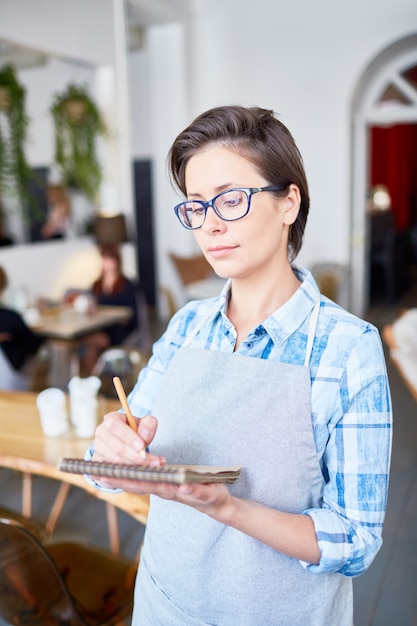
[[342, 77]]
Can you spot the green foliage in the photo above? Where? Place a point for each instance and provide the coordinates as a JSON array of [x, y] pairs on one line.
[[15, 173], [77, 126]]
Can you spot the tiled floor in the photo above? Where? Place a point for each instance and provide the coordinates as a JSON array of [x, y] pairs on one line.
[[386, 595]]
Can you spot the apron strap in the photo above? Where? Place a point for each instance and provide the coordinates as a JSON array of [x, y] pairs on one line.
[[311, 331]]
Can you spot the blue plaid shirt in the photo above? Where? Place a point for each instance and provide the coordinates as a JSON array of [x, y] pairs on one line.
[[351, 408]]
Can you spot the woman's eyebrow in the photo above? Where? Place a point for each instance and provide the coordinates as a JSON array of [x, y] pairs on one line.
[[217, 190]]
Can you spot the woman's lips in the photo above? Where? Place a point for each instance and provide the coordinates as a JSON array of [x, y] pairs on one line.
[[220, 251]]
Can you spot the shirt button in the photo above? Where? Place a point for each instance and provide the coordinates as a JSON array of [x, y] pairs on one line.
[[249, 345]]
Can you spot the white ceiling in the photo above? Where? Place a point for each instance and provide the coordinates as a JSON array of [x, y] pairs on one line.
[[140, 14], [19, 56]]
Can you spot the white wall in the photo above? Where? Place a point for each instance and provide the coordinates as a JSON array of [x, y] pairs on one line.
[[42, 84], [140, 104]]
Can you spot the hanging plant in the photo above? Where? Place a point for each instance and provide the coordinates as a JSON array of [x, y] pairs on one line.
[[15, 173], [78, 125]]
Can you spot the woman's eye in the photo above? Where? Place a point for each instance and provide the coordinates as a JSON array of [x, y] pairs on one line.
[[232, 202]]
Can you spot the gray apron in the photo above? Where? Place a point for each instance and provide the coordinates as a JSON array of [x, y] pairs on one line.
[[216, 408]]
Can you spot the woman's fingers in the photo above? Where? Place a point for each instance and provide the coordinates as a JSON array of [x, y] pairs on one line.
[[147, 427], [117, 442]]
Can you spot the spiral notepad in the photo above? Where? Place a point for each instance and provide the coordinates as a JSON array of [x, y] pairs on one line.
[[168, 473]]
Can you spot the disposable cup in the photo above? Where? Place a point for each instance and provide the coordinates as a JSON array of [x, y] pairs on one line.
[[51, 403], [84, 404], [84, 416]]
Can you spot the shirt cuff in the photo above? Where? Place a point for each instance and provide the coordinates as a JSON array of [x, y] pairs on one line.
[[87, 457], [334, 541]]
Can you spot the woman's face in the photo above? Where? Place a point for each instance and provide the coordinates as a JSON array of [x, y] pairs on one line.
[[109, 263], [255, 244]]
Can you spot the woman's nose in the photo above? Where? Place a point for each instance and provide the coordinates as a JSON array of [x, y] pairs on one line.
[[213, 221]]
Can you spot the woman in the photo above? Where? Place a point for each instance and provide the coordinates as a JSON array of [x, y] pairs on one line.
[[111, 287], [270, 375]]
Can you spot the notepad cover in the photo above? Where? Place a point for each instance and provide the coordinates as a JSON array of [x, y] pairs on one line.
[[168, 473]]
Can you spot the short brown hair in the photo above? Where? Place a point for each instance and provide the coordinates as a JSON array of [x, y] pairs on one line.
[[256, 134], [112, 251]]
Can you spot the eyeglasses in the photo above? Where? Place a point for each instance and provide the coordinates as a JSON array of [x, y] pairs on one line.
[[229, 205]]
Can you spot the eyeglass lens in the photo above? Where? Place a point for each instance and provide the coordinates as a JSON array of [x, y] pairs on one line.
[[230, 205]]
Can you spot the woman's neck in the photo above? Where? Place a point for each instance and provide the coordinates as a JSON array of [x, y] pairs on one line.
[[252, 300]]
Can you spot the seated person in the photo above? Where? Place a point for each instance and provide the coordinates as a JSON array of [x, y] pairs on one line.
[[18, 343], [112, 287]]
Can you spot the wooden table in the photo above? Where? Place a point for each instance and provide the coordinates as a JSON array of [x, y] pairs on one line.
[[25, 448], [66, 326]]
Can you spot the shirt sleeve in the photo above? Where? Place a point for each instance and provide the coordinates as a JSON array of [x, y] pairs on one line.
[[356, 462]]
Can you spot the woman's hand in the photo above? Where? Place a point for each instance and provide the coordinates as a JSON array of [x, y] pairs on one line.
[[117, 442], [211, 499]]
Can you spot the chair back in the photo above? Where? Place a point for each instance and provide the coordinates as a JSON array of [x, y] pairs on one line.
[[31, 589], [191, 269]]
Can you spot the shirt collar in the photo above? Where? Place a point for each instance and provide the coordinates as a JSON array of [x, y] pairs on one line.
[[291, 315]]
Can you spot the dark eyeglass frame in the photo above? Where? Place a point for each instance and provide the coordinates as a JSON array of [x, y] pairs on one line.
[[249, 191]]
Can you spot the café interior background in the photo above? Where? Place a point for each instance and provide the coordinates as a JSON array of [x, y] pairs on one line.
[[153, 66]]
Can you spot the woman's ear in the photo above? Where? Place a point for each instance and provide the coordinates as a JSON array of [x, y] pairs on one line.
[[291, 202]]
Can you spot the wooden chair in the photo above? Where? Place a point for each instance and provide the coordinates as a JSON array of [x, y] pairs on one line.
[[191, 269], [36, 527], [198, 280], [60, 583]]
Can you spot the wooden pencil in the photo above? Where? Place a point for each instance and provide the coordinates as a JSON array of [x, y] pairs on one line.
[[123, 401]]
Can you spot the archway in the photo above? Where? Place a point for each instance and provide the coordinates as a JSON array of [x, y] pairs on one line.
[[383, 96]]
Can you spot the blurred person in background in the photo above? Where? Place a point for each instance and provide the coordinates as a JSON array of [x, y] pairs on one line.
[[112, 287], [17, 341]]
